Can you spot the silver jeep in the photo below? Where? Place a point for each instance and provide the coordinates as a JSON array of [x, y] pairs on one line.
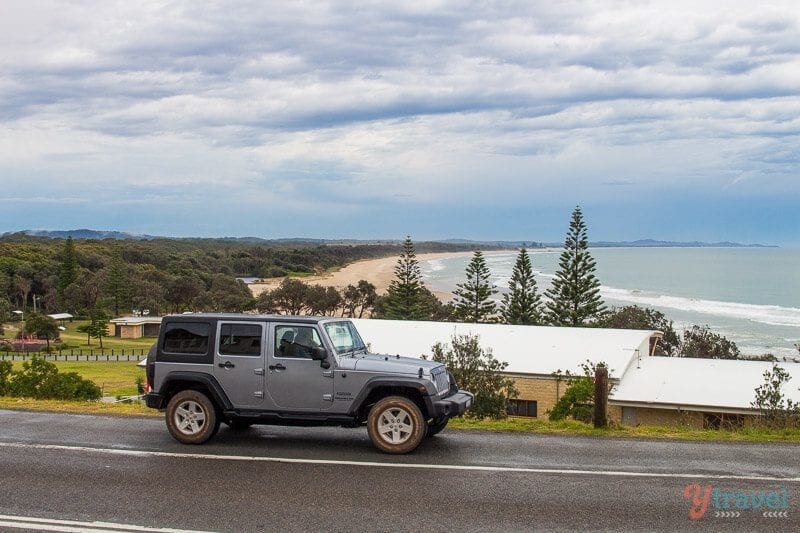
[[207, 369]]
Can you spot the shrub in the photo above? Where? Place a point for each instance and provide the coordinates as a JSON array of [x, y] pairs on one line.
[[577, 402], [635, 317], [477, 371], [776, 410], [5, 372], [40, 379], [702, 342]]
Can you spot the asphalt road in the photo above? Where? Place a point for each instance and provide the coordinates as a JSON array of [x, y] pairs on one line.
[[58, 468]]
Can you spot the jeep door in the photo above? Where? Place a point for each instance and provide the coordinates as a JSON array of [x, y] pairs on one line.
[[239, 364], [295, 382]]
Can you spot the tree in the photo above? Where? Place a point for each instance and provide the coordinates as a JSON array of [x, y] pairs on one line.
[[322, 301], [575, 292], [776, 410], [291, 296], [472, 298], [475, 369], [522, 304], [701, 342], [68, 272], [404, 300], [358, 299], [117, 282], [5, 311], [228, 294], [42, 326], [97, 329], [183, 289], [635, 317]]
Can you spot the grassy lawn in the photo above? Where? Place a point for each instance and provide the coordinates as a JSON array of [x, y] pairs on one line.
[[114, 378], [78, 341]]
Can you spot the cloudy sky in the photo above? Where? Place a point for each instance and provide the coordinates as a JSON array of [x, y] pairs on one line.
[[670, 120]]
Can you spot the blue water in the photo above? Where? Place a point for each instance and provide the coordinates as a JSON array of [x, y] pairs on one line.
[[750, 295]]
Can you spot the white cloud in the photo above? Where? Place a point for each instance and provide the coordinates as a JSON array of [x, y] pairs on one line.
[[370, 103]]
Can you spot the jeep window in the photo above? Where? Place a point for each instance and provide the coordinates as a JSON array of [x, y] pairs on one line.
[[240, 339], [186, 338], [345, 337], [296, 341]]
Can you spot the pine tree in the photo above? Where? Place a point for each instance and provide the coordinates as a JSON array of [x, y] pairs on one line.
[[522, 304], [404, 297], [117, 283], [575, 292], [472, 299], [68, 273]]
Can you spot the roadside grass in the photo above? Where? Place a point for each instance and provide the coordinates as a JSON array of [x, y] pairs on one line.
[[88, 408], [114, 378], [571, 427], [538, 427]]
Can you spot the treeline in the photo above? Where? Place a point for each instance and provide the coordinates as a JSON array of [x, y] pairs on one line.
[[573, 299], [87, 277]]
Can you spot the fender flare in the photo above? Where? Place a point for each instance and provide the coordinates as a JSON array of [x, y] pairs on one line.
[[410, 383], [208, 381]]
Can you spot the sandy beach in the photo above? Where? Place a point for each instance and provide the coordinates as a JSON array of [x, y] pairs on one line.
[[379, 272]]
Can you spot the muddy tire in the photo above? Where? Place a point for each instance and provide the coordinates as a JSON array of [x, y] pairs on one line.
[[191, 417], [436, 427], [396, 425]]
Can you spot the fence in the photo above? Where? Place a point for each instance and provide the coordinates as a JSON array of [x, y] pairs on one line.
[[106, 354]]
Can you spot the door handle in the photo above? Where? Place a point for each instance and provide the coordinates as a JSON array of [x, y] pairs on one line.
[[226, 364], [277, 367]]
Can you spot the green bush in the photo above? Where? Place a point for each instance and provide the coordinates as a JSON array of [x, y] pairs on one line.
[[5, 371], [40, 379], [475, 369], [578, 400]]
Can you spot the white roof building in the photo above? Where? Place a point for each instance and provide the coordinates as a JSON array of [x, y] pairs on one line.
[[668, 383], [690, 384], [536, 350]]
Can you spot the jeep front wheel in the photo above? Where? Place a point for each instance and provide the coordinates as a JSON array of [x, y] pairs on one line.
[[436, 427], [191, 417], [396, 425]]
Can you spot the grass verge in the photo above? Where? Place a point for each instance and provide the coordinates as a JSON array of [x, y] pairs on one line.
[[569, 427], [539, 427], [89, 408]]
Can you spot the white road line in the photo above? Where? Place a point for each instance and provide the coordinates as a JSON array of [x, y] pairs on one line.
[[73, 526], [377, 464]]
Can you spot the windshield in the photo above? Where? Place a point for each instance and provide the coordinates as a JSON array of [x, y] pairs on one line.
[[345, 337]]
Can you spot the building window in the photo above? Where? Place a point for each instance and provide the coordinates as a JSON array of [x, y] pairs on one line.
[[522, 408], [722, 421]]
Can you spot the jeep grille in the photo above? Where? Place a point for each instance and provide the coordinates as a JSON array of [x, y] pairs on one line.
[[440, 378]]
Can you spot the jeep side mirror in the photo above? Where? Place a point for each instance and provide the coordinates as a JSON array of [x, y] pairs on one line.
[[319, 353]]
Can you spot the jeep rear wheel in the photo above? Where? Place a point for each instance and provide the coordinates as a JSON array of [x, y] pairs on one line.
[[396, 425], [191, 417]]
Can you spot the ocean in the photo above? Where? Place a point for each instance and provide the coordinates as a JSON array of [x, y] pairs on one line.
[[749, 295]]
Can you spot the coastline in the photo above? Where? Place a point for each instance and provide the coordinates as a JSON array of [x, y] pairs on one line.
[[379, 272]]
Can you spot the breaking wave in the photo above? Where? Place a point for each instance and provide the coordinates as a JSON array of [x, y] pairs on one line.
[[774, 315]]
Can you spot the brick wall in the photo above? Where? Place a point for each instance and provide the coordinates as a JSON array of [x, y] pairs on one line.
[[545, 390]]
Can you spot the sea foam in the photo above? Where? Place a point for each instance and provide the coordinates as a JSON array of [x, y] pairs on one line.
[[773, 315]]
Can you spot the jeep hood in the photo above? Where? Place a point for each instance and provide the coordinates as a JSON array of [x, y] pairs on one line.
[[388, 363]]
